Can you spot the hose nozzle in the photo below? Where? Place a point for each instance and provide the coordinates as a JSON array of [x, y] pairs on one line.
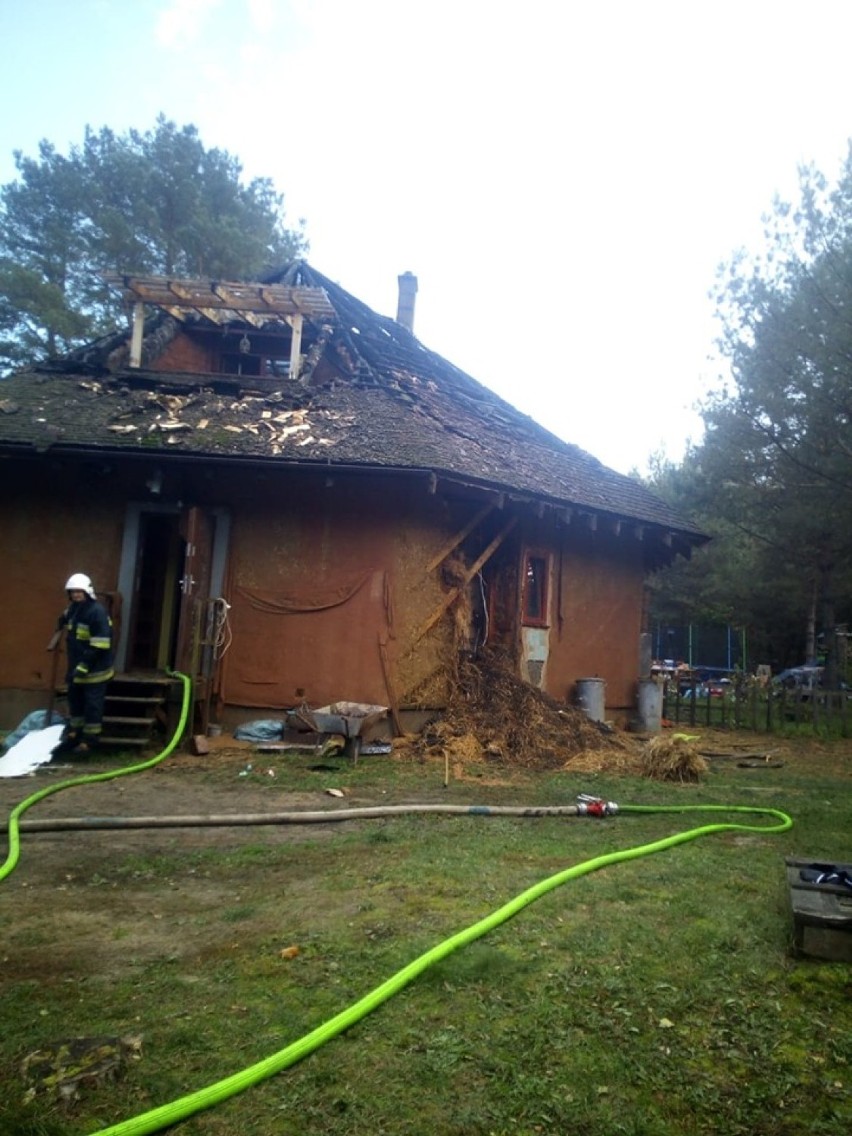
[[587, 805]]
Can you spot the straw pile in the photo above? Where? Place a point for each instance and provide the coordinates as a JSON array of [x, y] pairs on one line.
[[672, 758], [493, 715]]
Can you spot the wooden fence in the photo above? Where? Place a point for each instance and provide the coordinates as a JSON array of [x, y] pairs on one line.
[[750, 706]]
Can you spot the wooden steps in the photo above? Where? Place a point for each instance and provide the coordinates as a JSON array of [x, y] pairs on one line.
[[137, 710]]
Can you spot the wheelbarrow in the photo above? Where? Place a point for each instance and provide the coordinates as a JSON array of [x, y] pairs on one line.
[[349, 719]]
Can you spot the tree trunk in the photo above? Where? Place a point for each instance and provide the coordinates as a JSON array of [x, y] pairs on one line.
[[830, 676], [810, 631]]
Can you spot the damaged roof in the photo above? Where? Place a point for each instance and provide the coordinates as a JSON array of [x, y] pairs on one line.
[[368, 394]]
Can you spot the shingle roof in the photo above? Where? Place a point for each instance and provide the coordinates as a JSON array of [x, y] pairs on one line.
[[371, 395]]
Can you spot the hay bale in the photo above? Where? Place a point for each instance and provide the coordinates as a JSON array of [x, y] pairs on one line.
[[672, 759]]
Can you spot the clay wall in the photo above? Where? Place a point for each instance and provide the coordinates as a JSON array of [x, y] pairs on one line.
[[327, 575]]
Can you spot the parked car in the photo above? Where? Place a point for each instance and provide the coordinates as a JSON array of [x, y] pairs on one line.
[[799, 678], [709, 688], [719, 687], [692, 690]]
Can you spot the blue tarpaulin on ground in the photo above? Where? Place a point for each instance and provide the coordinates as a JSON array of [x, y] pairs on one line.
[[264, 730], [35, 721]]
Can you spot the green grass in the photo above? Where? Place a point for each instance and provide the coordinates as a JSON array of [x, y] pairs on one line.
[[654, 998]]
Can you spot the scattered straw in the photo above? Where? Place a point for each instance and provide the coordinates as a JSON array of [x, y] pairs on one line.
[[672, 759]]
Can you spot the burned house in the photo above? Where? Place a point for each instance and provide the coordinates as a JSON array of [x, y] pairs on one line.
[[290, 498]]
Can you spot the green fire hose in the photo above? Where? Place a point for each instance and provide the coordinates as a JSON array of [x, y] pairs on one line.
[[176, 1111], [14, 852]]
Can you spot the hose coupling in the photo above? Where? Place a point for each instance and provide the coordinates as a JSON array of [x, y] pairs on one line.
[[587, 805]]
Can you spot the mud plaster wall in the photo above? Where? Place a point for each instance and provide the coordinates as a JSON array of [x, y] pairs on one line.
[[422, 660], [327, 582], [297, 533], [601, 605], [55, 521], [291, 533]]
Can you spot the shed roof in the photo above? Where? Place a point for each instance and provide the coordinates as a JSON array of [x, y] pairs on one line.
[[369, 395]]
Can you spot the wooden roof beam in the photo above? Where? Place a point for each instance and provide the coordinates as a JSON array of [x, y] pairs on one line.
[[168, 292], [177, 289], [247, 317], [224, 294], [179, 314]]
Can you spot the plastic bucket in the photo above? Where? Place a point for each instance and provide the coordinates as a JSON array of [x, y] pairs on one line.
[[650, 706], [591, 697]]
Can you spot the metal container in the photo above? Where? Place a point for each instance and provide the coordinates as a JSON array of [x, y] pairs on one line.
[[821, 908], [650, 706], [591, 697]]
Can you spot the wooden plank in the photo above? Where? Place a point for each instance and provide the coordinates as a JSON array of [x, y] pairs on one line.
[[456, 540], [137, 335], [295, 323], [390, 686], [179, 314], [169, 293], [454, 593]]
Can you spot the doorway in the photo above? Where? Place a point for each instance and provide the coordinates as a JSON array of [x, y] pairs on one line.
[[172, 560], [153, 623]]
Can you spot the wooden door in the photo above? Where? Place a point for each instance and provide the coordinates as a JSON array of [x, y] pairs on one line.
[[196, 529]]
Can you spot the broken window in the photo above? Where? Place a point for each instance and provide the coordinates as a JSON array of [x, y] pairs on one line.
[[534, 597], [243, 364], [273, 364], [278, 368]]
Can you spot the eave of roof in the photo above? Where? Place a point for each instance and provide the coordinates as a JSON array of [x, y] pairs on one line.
[[373, 397]]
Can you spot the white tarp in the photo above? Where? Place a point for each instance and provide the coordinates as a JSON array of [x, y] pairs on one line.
[[33, 750]]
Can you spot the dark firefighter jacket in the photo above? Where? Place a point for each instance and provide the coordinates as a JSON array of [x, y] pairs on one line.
[[89, 642]]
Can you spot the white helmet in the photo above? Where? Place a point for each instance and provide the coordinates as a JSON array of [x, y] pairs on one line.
[[80, 583]]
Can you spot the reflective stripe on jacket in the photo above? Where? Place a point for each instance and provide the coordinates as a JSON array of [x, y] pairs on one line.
[[89, 642]]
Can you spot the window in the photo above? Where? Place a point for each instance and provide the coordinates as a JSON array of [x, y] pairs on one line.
[[534, 594], [242, 364], [278, 367]]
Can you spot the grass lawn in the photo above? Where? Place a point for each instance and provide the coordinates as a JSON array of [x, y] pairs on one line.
[[656, 997]]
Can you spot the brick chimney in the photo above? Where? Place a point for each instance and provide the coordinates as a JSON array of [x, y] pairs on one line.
[[405, 308]]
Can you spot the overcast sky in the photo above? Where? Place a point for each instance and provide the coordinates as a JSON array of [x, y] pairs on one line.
[[563, 178]]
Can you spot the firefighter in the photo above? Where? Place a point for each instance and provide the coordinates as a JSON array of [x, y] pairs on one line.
[[89, 649]]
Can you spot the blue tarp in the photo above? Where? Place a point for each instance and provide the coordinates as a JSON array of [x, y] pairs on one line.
[[35, 721], [264, 730]]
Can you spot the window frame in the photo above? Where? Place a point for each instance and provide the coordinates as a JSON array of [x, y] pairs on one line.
[[542, 619]]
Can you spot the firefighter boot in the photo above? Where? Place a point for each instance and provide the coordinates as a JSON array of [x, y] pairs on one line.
[[67, 743]]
